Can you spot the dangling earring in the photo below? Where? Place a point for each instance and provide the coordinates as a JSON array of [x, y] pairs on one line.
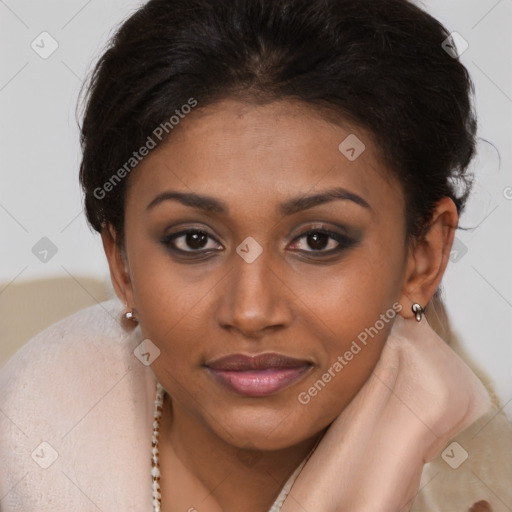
[[418, 311], [129, 315]]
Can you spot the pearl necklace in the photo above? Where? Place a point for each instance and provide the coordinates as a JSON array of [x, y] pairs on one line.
[[155, 455], [155, 458]]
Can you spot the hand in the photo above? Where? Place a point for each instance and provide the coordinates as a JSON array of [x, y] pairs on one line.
[[481, 506], [419, 395], [440, 391]]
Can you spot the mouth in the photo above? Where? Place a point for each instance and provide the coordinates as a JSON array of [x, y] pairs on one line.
[[258, 375]]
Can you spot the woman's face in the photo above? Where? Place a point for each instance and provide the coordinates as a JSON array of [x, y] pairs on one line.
[[249, 182]]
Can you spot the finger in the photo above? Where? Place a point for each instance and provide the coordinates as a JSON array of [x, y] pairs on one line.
[[481, 506]]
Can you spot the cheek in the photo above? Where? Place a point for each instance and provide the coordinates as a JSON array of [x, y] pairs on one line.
[[349, 315], [173, 311], [351, 296], [171, 301]]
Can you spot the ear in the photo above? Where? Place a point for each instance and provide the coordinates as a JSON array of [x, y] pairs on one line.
[[118, 264], [428, 257]]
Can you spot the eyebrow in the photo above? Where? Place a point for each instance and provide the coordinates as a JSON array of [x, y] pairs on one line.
[[289, 207]]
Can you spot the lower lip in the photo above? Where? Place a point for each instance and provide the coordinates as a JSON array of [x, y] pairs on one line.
[[259, 383]]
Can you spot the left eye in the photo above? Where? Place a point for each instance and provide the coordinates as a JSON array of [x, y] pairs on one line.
[[321, 240]]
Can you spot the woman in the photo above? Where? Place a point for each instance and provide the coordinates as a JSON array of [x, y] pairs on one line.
[[277, 185]]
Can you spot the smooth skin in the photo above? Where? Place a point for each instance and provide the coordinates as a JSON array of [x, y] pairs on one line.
[[198, 300]]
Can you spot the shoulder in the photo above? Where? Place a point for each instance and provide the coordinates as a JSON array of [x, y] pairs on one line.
[[475, 465], [89, 327], [75, 398], [90, 345]]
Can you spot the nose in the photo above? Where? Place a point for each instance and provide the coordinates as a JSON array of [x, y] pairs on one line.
[[254, 299]]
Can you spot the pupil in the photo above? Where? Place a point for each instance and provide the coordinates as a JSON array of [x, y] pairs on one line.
[[196, 240], [318, 241]]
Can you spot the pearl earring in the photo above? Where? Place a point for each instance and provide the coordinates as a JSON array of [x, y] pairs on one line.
[[418, 311], [129, 315]]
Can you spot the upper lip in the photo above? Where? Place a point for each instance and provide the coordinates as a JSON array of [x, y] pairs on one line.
[[265, 361]]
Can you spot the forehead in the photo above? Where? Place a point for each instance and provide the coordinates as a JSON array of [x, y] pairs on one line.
[[249, 152]]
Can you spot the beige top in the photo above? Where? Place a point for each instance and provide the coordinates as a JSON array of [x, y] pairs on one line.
[[475, 465], [76, 410]]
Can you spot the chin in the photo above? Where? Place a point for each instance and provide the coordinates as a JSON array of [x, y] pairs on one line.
[[265, 429]]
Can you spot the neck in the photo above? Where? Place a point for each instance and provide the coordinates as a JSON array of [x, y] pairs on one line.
[[195, 460]]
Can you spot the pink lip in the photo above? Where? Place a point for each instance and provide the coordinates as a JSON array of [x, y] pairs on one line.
[[259, 375]]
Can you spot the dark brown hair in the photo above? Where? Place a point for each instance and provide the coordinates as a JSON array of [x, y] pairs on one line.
[[378, 63]]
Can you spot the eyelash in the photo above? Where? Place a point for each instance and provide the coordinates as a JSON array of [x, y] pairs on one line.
[[344, 242]]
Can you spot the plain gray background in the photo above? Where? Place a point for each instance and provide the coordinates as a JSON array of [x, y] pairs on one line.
[[40, 197]]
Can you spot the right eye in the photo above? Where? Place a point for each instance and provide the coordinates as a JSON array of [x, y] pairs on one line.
[[191, 241]]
